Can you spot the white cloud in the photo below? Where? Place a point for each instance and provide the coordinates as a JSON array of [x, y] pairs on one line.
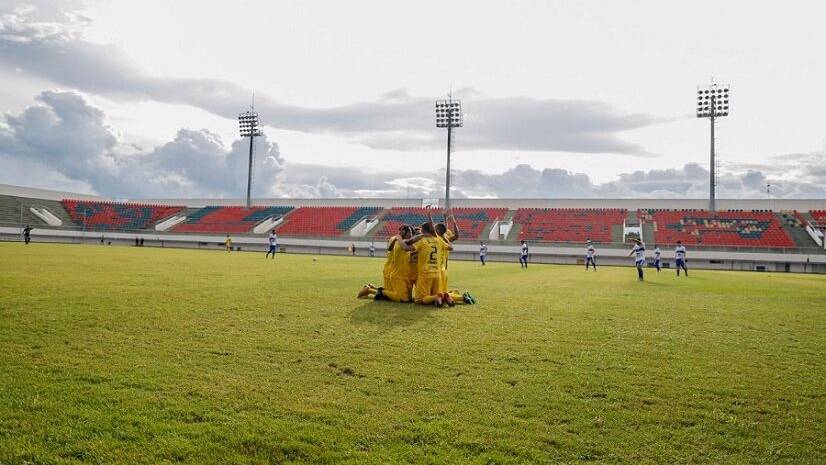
[[70, 145]]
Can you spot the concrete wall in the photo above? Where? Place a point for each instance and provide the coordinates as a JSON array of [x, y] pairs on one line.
[[717, 260]]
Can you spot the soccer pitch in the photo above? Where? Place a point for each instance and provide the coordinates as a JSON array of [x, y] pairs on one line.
[[143, 355]]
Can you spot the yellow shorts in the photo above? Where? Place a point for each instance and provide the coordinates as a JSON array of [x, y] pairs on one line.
[[427, 286], [443, 282], [400, 287]]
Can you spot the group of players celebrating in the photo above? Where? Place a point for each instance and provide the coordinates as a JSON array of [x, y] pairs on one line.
[[416, 266]]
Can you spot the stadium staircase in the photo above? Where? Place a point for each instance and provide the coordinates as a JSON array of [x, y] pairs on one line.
[[10, 210], [794, 225]]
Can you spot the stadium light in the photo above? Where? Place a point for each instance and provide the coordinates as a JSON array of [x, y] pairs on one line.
[[448, 115], [712, 103], [249, 127]]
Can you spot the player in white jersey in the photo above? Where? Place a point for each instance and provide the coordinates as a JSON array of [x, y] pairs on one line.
[[639, 260], [523, 257], [272, 240], [657, 257], [483, 251], [679, 256], [589, 256]]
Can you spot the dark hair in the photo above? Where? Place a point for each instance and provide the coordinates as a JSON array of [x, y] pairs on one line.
[[426, 228], [441, 228]]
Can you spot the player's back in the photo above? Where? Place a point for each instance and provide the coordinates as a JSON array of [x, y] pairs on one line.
[[429, 261]]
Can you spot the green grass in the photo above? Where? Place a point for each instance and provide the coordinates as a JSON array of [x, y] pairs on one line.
[[141, 355]]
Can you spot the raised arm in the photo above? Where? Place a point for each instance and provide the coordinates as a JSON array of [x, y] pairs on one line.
[[455, 226]]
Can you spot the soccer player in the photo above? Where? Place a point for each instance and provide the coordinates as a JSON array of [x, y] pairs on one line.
[[639, 251], [657, 257], [448, 236], [273, 239], [429, 248], [589, 256], [397, 286], [483, 250], [27, 234], [372, 249], [679, 255], [227, 243], [523, 258]]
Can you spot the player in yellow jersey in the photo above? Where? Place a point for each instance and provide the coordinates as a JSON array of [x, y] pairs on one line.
[[448, 236], [227, 243], [396, 286], [429, 249]]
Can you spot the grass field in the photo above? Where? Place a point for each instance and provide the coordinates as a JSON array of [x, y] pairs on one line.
[[141, 355]]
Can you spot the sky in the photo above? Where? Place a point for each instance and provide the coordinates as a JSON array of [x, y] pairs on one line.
[[561, 99]]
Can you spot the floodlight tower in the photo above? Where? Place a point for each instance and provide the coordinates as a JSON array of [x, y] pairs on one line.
[[712, 103], [448, 115], [249, 127]]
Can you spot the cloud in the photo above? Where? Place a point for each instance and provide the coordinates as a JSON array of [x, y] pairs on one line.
[[396, 120], [63, 142], [69, 139]]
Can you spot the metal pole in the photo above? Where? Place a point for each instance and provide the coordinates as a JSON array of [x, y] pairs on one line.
[[713, 177], [447, 175], [249, 172]]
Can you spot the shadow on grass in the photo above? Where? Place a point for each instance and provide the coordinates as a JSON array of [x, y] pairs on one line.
[[391, 314]]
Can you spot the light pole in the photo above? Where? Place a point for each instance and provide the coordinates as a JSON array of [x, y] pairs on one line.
[[448, 115], [712, 103], [249, 127]]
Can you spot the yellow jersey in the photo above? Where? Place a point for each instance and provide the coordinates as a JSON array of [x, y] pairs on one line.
[[400, 262], [430, 250], [388, 264]]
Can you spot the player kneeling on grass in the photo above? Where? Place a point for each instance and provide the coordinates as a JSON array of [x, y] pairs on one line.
[[448, 236], [396, 286]]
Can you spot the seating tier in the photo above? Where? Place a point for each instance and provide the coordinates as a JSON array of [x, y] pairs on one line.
[[215, 219], [568, 224], [324, 221], [759, 229], [110, 216], [471, 221]]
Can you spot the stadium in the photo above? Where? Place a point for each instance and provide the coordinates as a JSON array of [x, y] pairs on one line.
[[231, 233], [745, 235]]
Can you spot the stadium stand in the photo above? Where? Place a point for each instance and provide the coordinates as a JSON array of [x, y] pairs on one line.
[[471, 221], [15, 209], [819, 216], [113, 216], [760, 229], [568, 224], [323, 221], [216, 219]]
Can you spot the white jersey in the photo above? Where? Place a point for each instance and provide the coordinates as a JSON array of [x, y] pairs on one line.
[[483, 250], [657, 253], [589, 252], [524, 250], [273, 238], [639, 251], [679, 252]]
